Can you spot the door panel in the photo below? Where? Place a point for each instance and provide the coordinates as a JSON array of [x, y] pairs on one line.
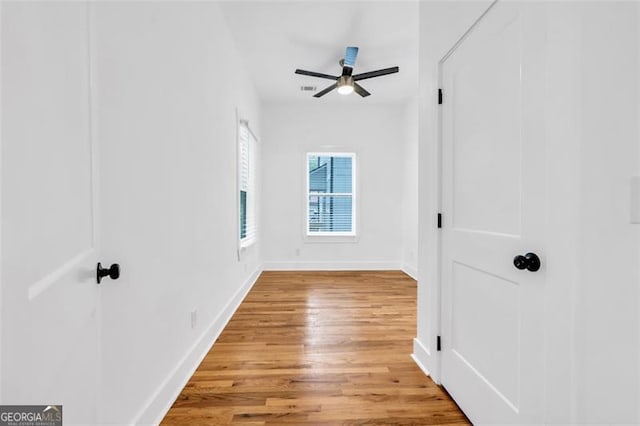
[[50, 319], [486, 186], [493, 189], [472, 331]]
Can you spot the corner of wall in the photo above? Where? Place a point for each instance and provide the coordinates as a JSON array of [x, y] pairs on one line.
[[157, 406], [421, 356], [410, 270]]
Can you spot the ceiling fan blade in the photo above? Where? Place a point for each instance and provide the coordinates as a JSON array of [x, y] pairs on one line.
[[376, 73], [325, 91], [350, 56], [360, 90], [316, 74]]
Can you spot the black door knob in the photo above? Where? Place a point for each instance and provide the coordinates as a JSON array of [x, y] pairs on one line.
[[113, 272], [529, 261]]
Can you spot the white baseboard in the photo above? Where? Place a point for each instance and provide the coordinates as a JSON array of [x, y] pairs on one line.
[[421, 355], [410, 270], [157, 406], [332, 266]]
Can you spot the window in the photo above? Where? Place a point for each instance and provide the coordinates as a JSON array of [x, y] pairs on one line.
[[246, 184], [331, 194]]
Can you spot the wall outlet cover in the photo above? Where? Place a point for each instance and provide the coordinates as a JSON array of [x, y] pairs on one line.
[[194, 318], [635, 200]]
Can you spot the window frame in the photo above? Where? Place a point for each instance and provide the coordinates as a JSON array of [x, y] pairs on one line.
[[250, 194], [338, 235]]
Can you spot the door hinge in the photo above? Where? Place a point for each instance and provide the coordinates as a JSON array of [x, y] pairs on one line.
[[438, 345], [439, 220], [439, 96]]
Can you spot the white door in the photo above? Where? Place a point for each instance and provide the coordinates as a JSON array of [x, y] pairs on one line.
[[50, 339], [494, 208]]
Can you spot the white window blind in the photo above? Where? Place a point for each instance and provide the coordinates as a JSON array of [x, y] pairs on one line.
[[331, 195], [246, 184]]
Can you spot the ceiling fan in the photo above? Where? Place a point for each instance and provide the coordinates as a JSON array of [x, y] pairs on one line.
[[347, 82]]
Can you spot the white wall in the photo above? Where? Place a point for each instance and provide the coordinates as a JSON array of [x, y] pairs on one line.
[[410, 190], [591, 298], [168, 80], [377, 135], [607, 309], [442, 23]]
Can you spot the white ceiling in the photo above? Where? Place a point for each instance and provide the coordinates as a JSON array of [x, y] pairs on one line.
[[276, 37]]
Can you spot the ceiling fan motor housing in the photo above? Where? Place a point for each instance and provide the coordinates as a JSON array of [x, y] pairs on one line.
[[345, 80]]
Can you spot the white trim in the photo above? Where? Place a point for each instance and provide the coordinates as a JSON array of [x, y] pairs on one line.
[[247, 242], [331, 154], [246, 122], [573, 399], [158, 404], [1, 248], [244, 243], [333, 266], [330, 234], [410, 270], [92, 105], [94, 123], [466, 33], [420, 356], [436, 316], [239, 247], [333, 239], [306, 234]]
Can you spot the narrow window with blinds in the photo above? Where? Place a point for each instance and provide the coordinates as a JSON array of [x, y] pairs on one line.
[[331, 194], [246, 184]]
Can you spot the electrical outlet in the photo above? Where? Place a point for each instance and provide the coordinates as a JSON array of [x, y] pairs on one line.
[[635, 200], [297, 252], [194, 318]]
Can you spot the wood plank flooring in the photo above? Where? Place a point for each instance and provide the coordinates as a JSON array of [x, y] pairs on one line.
[[317, 348]]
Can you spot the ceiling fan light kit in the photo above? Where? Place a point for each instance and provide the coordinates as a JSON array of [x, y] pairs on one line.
[[346, 83]]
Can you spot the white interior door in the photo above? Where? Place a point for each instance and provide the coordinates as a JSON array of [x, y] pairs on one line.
[[494, 208], [50, 339]]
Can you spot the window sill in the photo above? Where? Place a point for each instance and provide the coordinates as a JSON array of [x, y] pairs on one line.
[[244, 247], [248, 242], [336, 239]]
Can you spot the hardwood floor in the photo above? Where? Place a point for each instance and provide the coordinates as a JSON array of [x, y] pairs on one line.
[[317, 348]]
